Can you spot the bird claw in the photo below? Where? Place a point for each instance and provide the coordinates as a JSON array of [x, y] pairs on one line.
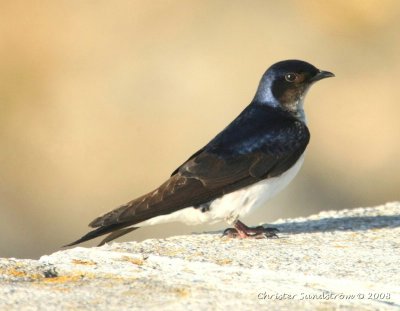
[[230, 233], [243, 232]]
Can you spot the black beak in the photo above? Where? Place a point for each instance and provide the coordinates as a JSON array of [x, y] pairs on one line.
[[322, 75]]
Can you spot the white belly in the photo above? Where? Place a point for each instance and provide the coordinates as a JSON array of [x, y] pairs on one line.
[[232, 205]]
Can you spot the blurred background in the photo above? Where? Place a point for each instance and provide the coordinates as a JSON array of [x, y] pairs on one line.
[[101, 100]]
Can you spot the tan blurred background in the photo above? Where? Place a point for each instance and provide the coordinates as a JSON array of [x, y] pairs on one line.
[[101, 100]]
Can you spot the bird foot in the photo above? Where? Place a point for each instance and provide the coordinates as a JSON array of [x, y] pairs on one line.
[[241, 231]]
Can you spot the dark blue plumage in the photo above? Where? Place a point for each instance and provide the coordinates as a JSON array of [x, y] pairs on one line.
[[260, 128]]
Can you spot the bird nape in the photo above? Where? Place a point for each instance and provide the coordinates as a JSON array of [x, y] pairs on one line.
[[252, 159]]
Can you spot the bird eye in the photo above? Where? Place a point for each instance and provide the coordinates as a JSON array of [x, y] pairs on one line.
[[290, 77]]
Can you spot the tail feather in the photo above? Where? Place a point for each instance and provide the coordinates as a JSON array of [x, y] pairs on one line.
[[101, 231], [116, 234]]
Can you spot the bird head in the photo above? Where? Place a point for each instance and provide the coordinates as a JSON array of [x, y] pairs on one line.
[[286, 83]]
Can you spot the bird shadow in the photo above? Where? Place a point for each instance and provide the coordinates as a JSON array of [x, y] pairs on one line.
[[348, 223], [331, 224]]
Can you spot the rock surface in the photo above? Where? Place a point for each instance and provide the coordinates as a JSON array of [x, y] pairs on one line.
[[346, 259]]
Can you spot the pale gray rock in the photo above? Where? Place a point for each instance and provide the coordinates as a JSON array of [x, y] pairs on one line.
[[346, 259]]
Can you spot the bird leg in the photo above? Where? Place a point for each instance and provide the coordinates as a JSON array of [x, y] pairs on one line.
[[241, 231]]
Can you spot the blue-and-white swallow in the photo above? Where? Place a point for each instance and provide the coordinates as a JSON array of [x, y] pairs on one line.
[[251, 160]]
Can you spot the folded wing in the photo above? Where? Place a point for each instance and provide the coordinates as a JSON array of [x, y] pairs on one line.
[[256, 145]]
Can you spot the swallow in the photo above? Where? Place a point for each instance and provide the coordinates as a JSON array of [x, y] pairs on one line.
[[247, 163]]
